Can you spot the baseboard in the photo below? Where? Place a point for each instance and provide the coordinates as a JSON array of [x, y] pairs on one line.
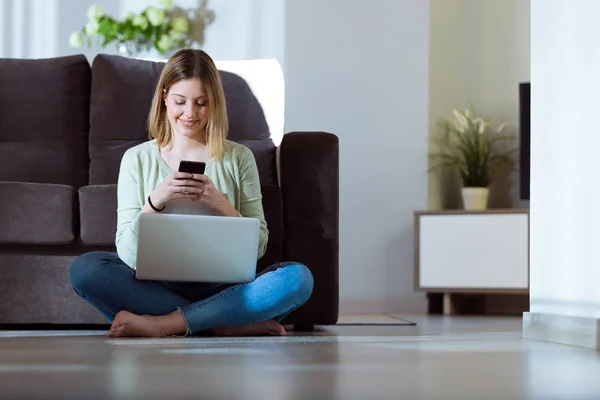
[[564, 329]]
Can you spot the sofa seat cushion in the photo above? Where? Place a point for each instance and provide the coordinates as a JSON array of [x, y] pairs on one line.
[[98, 213], [36, 213]]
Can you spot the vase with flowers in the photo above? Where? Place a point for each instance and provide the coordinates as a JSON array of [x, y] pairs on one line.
[[469, 146], [162, 28]]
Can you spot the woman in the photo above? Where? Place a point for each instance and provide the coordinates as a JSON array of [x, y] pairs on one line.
[[187, 121]]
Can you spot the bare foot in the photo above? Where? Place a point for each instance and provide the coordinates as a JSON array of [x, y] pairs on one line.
[[127, 324], [265, 328]]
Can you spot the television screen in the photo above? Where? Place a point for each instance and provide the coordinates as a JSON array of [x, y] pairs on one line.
[[524, 139]]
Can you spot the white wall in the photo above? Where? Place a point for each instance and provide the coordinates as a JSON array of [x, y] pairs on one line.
[[480, 51], [565, 260], [495, 54], [361, 71]]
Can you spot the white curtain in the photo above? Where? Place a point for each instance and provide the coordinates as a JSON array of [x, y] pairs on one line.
[[28, 28], [41, 28]]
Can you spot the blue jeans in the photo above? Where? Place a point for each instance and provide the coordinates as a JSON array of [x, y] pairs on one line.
[[108, 284]]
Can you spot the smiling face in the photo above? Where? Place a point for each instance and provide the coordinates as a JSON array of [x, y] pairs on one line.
[[189, 102], [187, 108]]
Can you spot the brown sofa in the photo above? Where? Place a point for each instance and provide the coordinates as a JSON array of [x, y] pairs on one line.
[[64, 126]]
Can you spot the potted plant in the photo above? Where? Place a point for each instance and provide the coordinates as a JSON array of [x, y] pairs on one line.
[[469, 146], [163, 29]]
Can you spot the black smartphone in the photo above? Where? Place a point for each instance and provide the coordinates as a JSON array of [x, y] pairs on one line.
[[192, 167]]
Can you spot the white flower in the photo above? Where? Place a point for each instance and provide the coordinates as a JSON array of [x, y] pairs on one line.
[[76, 40], [176, 36], [461, 124], [166, 3], [94, 12], [140, 21], [129, 15], [458, 127], [480, 124], [164, 43], [501, 127], [92, 27], [155, 15], [180, 25]]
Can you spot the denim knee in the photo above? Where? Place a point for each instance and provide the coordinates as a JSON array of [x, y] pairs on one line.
[[85, 269], [301, 281]]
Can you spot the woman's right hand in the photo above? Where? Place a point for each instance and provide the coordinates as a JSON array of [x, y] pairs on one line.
[[177, 185]]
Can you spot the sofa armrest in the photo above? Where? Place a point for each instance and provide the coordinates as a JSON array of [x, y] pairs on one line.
[[309, 178]]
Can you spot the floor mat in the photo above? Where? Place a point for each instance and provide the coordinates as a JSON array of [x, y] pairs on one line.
[[372, 319]]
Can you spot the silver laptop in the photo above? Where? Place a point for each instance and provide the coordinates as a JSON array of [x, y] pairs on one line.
[[197, 248]]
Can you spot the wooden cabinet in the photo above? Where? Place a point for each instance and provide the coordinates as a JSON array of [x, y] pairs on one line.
[[459, 251]]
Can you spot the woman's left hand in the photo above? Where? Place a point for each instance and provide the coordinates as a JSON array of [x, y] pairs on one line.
[[214, 199]]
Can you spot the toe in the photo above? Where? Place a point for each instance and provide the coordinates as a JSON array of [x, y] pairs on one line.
[[114, 333]]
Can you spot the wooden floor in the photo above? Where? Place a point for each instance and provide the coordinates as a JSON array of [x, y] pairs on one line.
[[440, 358]]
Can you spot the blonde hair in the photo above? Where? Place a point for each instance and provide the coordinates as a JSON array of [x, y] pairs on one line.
[[189, 64]]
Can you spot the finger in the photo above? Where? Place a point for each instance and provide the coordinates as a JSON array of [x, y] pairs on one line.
[[185, 190], [188, 183], [190, 190], [202, 178], [179, 190], [185, 193], [182, 175], [186, 196], [179, 181]]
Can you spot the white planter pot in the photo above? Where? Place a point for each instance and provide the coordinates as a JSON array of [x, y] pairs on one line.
[[475, 198]]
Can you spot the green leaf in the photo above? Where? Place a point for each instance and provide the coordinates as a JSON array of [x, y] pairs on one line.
[[475, 155]]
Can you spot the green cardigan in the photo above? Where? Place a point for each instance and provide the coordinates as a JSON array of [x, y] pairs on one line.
[[143, 168]]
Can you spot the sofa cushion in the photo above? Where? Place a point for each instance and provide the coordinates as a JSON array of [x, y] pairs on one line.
[[122, 90], [265, 156], [98, 214], [36, 213], [273, 209], [43, 133], [245, 115]]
